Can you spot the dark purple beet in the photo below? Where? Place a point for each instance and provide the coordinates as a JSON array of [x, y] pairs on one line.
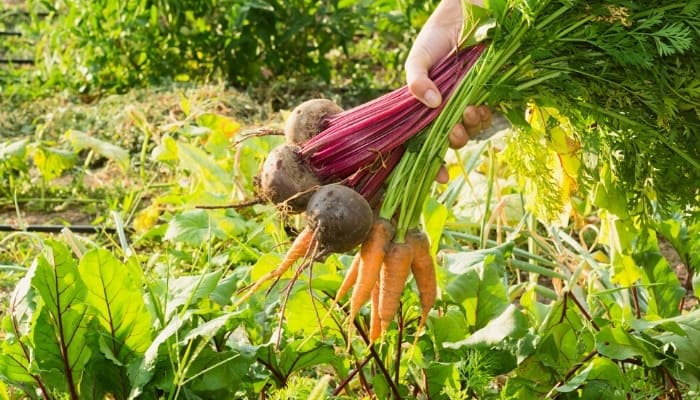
[[341, 217], [286, 179]]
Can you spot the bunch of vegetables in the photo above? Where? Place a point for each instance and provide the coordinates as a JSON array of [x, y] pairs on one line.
[[623, 74]]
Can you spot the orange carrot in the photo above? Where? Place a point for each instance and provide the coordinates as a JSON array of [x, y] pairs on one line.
[[299, 248], [394, 272], [372, 255], [350, 278], [375, 328], [423, 270]]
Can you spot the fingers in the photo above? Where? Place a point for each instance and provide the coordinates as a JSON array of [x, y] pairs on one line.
[[458, 136], [419, 84], [437, 38], [442, 176], [476, 119]]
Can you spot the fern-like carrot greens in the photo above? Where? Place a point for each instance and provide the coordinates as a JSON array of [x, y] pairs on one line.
[[621, 72]]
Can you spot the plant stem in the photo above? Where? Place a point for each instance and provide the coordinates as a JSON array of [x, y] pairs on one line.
[[635, 300], [351, 375], [378, 360], [583, 310], [487, 201], [399, 337], [571, 373]]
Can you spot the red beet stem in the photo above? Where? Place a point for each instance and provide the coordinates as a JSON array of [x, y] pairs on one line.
[[371, 180], [358, 137]]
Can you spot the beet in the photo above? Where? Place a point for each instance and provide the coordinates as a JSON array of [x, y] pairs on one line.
[[341, 217], [306, 119], [286, 179]]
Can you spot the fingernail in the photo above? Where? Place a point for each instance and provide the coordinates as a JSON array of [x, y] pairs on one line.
[[432, 99]]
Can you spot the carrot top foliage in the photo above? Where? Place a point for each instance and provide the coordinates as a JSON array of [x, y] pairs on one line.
[[621, 75]]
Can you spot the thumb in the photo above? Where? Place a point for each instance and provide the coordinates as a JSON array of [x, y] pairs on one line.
[[420, 85]]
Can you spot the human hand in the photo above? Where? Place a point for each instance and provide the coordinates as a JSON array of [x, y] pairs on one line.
[[438, 37]]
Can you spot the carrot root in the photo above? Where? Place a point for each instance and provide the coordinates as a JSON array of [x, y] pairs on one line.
[[423, 269], [375, 328], [393, 276], [350, 278], [299, 249], [372, 254]]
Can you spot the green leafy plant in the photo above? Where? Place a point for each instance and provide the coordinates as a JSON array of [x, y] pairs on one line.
[[92, 47]]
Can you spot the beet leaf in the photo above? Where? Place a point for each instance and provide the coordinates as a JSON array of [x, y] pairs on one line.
[[61, 328]]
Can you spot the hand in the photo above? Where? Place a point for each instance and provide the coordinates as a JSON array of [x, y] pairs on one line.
[[438, 37]]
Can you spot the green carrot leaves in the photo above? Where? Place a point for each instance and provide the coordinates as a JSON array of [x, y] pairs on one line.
[[615, 69]]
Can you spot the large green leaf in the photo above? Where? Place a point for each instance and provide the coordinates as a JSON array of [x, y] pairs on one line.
[[475, 281], [60, 330], [663, 285], [15, 360], [60, 347], [104, 379], [302, 354], [115, 297], [438, 375], [686, 346], [450, 326], [511, 324], [187, 290], [193, 227], [599, 372], [52, 162], [304, 313], [81, 140], [618, 344], [219, 374]]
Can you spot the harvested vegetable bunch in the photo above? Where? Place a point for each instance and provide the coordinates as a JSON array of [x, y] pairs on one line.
[[624, 74]]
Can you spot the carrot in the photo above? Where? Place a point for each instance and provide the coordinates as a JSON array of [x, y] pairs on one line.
[[423, 270], [350, 278], [375, 328], [299, 248], [394, 272], [372, 255]]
